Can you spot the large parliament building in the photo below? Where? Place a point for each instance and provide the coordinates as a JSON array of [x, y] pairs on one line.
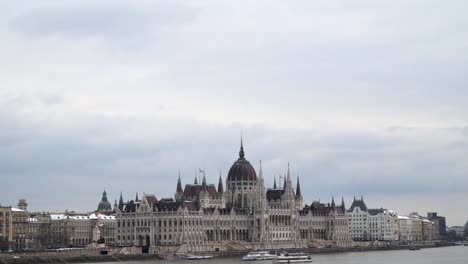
[[242, 214]]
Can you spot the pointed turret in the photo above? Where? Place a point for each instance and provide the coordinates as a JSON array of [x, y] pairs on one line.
[[362, 197], [333, 202], [220, 184], [204, 183], [298, 188], [284, 183], [136, 197], [342, 203], [196, 179], [274, 183], [179, 185], [260, 171], [121, 202]]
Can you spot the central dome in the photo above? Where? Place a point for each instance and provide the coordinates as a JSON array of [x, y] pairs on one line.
[[241, 170]]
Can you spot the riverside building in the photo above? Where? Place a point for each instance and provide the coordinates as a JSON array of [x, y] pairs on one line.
[[239, 215], [372, 224]]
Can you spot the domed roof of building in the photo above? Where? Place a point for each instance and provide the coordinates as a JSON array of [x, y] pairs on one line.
[[241, 170], [104, 205]]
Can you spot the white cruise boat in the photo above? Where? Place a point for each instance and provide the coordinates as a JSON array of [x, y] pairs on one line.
[[293, 258], [259, 255]]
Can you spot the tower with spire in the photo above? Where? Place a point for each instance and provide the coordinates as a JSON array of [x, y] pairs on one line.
[[260, 216], [179, 191], [289, 196]]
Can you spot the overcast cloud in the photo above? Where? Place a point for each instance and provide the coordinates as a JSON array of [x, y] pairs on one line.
[[362, 98]]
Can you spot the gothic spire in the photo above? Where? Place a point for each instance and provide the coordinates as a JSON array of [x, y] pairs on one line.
[[136, 197], [298, 188], [204, 183], [196, 179], [220, 184], [260, 173], [121, 202], [284, 183], [333, 202], [179, 185], [342, 203], [241, 151], [274, 183]]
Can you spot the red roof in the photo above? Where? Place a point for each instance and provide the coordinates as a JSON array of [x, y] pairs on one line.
[[192, 191]]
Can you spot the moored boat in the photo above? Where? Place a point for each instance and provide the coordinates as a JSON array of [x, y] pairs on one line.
[[414, 248], [259, 255], [293, 258], [195, 257]]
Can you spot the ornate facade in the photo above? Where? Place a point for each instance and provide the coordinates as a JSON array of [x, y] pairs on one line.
[[244, 215]]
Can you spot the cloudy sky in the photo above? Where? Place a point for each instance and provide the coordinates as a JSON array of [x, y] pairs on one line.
[[361, 97]]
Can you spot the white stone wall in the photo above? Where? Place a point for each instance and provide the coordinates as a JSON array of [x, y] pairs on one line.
[[358, 222]]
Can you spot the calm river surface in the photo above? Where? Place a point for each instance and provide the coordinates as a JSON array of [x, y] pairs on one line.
[[446, 255]]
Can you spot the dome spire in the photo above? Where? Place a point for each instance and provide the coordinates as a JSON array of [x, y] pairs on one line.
[[241, 151], [104, 196]]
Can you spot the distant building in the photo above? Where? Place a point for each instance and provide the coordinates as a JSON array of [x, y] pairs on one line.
[[383, 225], [405, 228], [13, 228], [439, 221], [6, 228], [39, 231], [456, 233]]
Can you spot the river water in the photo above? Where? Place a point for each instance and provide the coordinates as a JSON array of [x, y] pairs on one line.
[[445, 255]]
